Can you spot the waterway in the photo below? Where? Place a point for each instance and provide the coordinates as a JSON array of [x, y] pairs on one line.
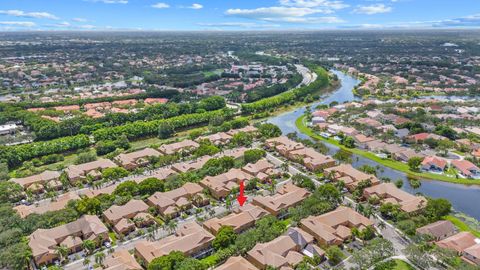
[[463, 198]]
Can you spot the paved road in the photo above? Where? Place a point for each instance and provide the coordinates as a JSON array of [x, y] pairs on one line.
[[388, 231], [162, 233], [308, 75]]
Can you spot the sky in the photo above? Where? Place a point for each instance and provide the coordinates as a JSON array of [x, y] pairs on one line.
[[227, 15]]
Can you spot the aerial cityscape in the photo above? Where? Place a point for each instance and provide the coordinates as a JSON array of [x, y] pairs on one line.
[[240, 135]]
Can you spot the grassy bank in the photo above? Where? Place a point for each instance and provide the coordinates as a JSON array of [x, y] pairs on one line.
[[462, 226], [396, 165], [333, 86]]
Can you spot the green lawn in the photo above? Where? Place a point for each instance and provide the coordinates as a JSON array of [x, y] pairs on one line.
[[462, 226], [212, 72], [397, 165], [401, 265]]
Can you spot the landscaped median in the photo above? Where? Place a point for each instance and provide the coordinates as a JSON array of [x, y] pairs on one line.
[[396, 165]]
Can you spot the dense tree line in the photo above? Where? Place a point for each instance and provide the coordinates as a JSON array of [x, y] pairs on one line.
[[289, 96], [140, 129], [15, 155], [272, 90], [149, 93], [46, 129]]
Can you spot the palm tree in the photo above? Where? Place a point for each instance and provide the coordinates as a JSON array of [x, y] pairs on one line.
[[27, 257], [272, 186], [86, 262], [382, 225], [284, 166], [150, 234], [99, 258], [228, 203], [62, 252], [89, 246], [155, 228], [171, 226]]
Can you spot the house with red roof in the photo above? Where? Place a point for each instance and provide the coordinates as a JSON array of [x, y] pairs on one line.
[[420, 137], [434, 164], [466, 168]]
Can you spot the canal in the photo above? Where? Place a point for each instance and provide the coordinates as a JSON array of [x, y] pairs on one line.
[[462, 197]]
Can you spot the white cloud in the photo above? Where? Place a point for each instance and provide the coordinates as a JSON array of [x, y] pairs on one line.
[[372, 9], [23, 14], [240, 25], [271, 12], [161, 5], [17, 23], [334, 5], [79, 20], [294, 11], [60, 25], [330, 19], [196, 6]]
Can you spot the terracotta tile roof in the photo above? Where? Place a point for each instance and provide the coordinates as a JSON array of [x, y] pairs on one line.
[[407, 201], [81, 170], [97, 105], [168, 201], [67, 108], [221, 184], [217, 138], [236, 263], [59, 203], [240, 219], [155, 100], [335, 226], [130, 159], [360, 138], [44, 241], [188, 238], [351, 176], [287, 196], [125, 102], [247, 129], [282, 251], [173, 148], [438, 229], [41, 178], [262, 165], [465, 167], [436, 161], [121, 260], [284, 144], [311, 156], [131, 208], [235, 153], [473, 251], [458, 242], [190, 165]]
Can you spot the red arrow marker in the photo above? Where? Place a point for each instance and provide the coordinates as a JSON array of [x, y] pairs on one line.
[[241, 198]]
